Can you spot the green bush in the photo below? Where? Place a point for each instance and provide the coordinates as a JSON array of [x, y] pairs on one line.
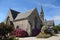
[[44, 28], [56, 29], [5, 29], [43, 35]]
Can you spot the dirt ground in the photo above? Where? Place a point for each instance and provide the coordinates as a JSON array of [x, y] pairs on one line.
[[34, 38]]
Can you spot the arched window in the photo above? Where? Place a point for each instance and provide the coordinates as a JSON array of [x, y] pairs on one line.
[[11, 23], [17, 27]]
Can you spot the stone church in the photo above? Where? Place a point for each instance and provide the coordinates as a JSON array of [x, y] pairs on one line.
[[30, 21]]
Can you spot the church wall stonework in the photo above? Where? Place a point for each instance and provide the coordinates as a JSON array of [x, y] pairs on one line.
[[32, 18], [10, 15], [23, 25]]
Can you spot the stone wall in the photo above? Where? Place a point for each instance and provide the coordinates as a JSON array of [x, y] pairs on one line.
[[23, 24]]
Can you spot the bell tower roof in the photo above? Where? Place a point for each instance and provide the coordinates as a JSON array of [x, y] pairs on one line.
[[41, 13], [41, 10]]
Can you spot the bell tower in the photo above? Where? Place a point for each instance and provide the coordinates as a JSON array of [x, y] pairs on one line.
[[41, 13]]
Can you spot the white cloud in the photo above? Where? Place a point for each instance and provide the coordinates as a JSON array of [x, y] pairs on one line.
[[56, 17], [48, 5], [44, 4]]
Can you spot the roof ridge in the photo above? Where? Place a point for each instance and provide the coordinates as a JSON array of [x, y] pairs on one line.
[[25, 14], [29, 10]]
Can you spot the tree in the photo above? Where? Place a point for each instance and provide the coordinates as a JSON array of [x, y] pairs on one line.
[[56, 28], [5, 29]]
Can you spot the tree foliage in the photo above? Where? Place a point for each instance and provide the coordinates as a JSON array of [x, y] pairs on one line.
[[56, 28], [5, 29]]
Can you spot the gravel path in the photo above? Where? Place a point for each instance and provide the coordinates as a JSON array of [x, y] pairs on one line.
[[34, 38]]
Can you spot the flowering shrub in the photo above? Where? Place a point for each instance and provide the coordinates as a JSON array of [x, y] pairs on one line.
[[19, 33], [35, 32]]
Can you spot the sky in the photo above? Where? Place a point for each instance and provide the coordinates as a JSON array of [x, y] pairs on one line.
[[51, 8]]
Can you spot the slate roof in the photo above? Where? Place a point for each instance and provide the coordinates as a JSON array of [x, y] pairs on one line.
[[14, 13], [24, 14]]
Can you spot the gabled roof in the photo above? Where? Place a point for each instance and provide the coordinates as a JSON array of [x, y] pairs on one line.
[[24, 14], [14, 13], [50, 22]]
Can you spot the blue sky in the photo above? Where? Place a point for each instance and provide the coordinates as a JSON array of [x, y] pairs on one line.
[[51, 8]]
